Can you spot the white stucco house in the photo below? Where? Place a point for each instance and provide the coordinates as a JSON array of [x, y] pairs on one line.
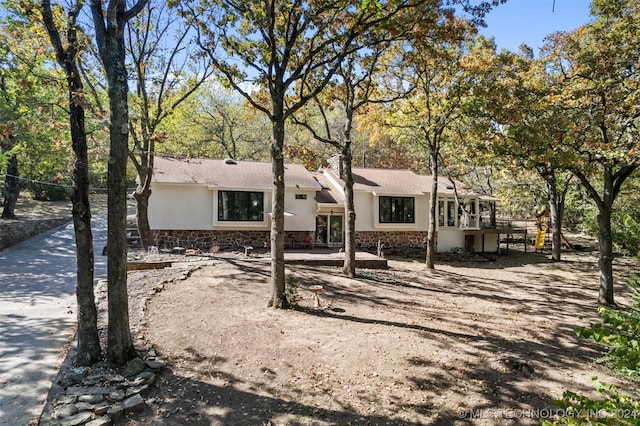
[[201, 203]]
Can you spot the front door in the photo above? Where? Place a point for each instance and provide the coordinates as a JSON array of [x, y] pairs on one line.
[[335, 231], [329, 230]]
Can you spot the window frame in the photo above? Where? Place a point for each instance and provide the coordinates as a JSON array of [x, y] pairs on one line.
[[257, 215], [393, 201]]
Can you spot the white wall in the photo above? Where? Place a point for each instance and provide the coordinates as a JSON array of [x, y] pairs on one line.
[[450, 238], [180, 207], [304, 211], [195, 207], [363, 202], [367, 212]]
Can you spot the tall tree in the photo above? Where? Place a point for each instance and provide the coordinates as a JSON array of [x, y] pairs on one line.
[[599, 69], [523, 122], [291, 50], [216, 122], [167, 71], [67, 55], [110, 25], [435, 68], [354, 88]]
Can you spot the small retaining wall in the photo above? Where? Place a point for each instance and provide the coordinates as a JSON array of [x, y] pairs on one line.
[[15, 231]]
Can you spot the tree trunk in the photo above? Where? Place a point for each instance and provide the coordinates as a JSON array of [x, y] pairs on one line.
[[88, 341], [120, 345], [605, 257], [89, 351], [556, 218], [433, 202], [278, 298], [11, 189], [112, 52], [349, 267], [142, 216]]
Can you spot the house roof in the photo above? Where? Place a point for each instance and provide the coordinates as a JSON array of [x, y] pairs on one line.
[[329, 194], [385, 181], [229, 174], [401, 182]]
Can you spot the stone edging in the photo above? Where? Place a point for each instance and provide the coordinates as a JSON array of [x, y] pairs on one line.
[[15, 231], [100, 396]]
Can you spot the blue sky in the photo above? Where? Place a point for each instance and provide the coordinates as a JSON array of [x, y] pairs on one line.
[[530, 21]]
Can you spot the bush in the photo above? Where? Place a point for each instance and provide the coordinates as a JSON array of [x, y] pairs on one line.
[[291, 291], [50, 191], [626, 233]]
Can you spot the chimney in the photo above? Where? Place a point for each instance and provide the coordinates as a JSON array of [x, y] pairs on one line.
[[335, 164]]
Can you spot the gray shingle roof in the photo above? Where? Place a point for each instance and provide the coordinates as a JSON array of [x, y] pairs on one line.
[[329, 194], [242, 175], [400, 182]]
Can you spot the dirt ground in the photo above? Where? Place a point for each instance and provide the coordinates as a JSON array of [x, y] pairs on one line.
[[471, 343]]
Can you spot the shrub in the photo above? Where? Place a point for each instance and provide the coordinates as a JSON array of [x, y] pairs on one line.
[[44, 191], [291, 291]]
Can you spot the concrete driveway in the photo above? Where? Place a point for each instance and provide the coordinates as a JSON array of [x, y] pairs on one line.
[[38, 315]]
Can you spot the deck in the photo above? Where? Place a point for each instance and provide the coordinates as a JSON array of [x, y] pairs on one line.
[[332, 258]]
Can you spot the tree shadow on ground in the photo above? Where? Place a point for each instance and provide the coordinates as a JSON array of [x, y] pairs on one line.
[[227, 405], [510, 366]]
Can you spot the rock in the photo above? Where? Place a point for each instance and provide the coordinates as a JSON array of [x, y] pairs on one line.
[[133, 367], [146, 377], [116, 396], [101, 408], [67, 399], [84, 406], [73, 377], [100, 421], [91, 398], [117, 378], [137, 389], [78, 419], [133, 403], [115, 412], [64, 411], [154, 364]]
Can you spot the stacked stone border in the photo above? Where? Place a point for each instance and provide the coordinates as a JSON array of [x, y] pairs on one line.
[[14, 231]]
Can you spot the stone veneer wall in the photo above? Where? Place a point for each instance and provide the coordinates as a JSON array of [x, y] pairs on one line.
[[15, 231], [392, 240], [224, 240], [236, 240]]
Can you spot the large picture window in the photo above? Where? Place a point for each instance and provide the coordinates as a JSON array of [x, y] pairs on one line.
[[397, 209], [240, 206]]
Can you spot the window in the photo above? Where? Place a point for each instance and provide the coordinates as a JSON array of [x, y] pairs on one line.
[[451, 213], [447, 213], [301, 196], [240, 206], [396, 210]]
